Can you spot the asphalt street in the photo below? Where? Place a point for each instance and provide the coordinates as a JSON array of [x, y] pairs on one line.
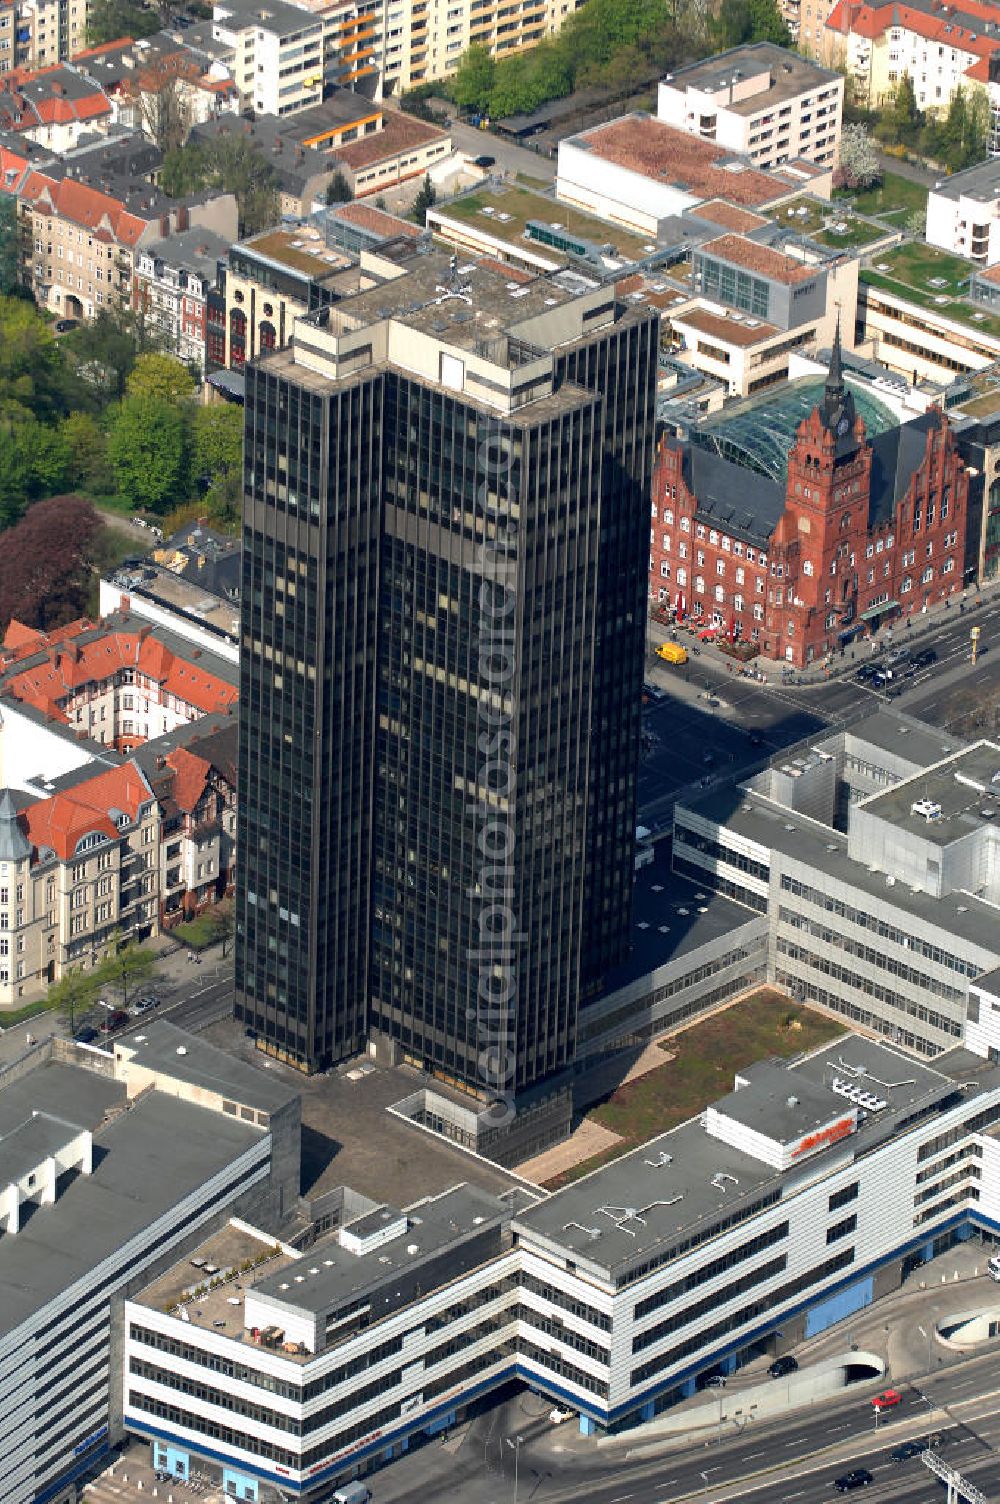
[[791, 1461], [712, 723]]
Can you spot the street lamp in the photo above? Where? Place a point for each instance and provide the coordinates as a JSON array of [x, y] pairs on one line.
[[515, 1447]]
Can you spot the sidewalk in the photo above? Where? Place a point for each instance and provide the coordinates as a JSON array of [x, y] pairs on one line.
[[922, 624]]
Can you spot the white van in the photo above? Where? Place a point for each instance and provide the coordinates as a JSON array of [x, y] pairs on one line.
[[993, 1268], [352, 1493]]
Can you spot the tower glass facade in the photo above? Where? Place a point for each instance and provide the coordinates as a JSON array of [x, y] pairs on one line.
[[445, 537]]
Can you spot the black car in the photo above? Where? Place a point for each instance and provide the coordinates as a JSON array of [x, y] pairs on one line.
[[485, 162], [867, 671], [923, 659], [755, 739], [85, 1036], [782, 1366], [63, 326], [858, 1477], [908, 1449]]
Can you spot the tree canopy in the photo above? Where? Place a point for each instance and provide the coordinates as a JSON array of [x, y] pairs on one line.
[[616, 44], [147, 450], [107, 20], [229, 163], [43, 564], [740, 21]]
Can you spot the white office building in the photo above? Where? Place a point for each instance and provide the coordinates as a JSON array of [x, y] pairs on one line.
[[99, 1187], [762, 101], [791, 1203]]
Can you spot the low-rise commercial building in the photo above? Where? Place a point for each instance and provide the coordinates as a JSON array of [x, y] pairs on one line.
[[927, 314], [100, 1188], [767, 103], [788, 1205], [855, 851], [637, 172]]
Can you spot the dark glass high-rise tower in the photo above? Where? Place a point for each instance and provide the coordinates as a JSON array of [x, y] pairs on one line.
[[445, 549]]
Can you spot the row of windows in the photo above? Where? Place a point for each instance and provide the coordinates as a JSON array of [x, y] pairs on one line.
[[711, 1269], [974, 1151], [869, 954], [299, 1425], [708, 1303], [763, 1305], [901, 1002], [881, 927], [964, 1172]]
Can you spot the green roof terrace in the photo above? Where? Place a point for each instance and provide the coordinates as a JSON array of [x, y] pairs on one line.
[[830, 224], [505, 212], [931, 279]]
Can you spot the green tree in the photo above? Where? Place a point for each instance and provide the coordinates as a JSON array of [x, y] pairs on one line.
[[158, 375], [31, 371], [425, 199], [473, 82], [146, 447], [34, 462], [338, 190], [8, 243], [903, 112], [88, 449], [229, 163], [185, 170], [741, 21], [107, 20], [217, 440], [75, 991], [125, 964], [103, 351]]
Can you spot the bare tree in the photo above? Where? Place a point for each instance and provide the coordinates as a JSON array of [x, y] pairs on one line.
[[161, 92]]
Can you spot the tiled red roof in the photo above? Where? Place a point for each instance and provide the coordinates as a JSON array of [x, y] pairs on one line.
[[82, 205], [399, 133], [61, 822], [48, 685], [673, 157], [376, 219], [953, 25], [190, 776], [755, 257]]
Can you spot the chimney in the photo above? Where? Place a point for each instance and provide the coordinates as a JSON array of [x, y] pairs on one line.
[[145, 631]]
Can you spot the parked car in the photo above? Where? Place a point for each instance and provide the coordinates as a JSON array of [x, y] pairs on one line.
[[145, 1003], [908, 1449], [86, 1035], [924, 659], [782, 1366], [887, 1400], [858, 1477], [116, 1019], [715, 1381], [484, 161], [63, 326]]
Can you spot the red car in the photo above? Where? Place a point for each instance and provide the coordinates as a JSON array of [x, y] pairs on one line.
[[887, 1400]]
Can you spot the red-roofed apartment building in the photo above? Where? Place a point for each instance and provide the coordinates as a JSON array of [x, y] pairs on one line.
[[118, 684], [82, 242], [54, 106], [77, 870], [93, 845], [941, 46], [195, 787]]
